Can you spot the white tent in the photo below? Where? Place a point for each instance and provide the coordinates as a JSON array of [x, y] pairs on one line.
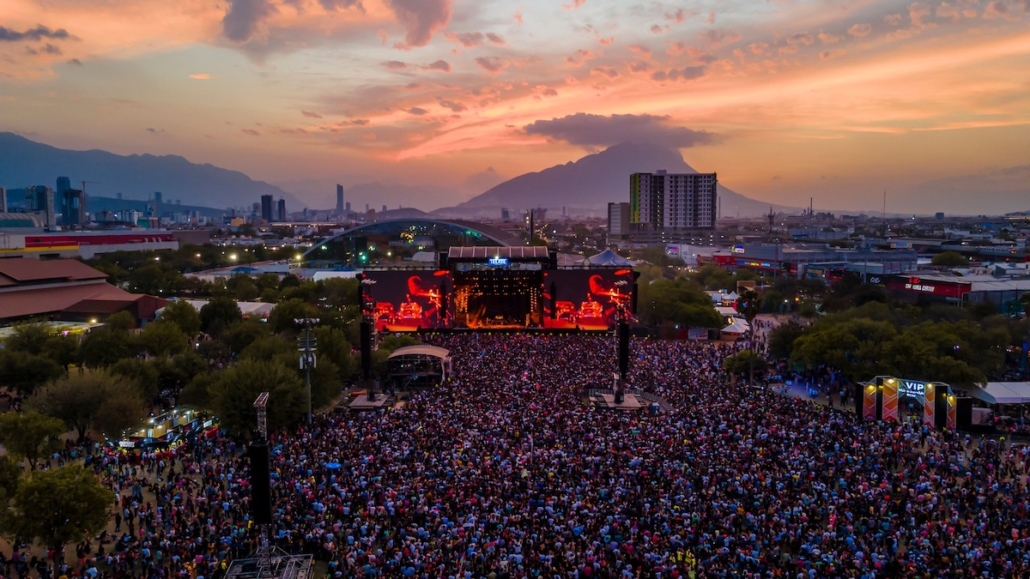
[[608, 258], [728, 312], [1003, 393], [735, 329]]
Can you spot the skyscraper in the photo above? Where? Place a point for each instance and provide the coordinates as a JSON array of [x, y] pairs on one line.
[[662, 201], [63, 184], [73, 207], [339, 199], [618, 219], [281, 213], [266, 207], [3, 200], [41, 198]]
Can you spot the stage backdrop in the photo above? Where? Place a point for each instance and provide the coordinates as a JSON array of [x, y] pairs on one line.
[[585, 299], [407, 301]]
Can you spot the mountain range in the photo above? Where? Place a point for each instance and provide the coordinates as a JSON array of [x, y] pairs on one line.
[[589, 184], [584, 186], [24, 162]]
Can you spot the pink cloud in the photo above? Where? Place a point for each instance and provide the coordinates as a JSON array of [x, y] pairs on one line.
[[758, 48], [718, 37], [395, 65], [655, 29], [421, 18], [639, 66], [607, 41], [311, 115], [518, 16], [894, 19], [685, 73], [495, 38], [860, 30], [579, 57], [441, 65], [607, 71], [453, 106], [641, 50], [916, 12], [250, 132], [678, 16], [575, 4], [827, 38], [492, 64]]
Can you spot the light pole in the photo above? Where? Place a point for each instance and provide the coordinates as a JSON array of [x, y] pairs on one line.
[[307, 359]]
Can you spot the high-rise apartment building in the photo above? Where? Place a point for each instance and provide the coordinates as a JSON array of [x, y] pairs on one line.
[[63, 184], [266, 207], [618, 219], [663, 201], [3, 200], [73, 207], [339, 199], [40, 198], [281, 210]]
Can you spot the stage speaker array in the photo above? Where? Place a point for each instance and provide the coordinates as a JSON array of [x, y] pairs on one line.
[[260, 486]]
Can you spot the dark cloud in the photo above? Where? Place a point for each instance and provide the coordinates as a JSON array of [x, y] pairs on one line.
[[600, 131], [421, 18], [639, 66], [467, 39], [453, 106], [495, 38], [607, 71], [685, 73], [417, 111], [76, 62], [250, 132], [492, 63], [243, 18], [38, 33], [311, 115], [395, 65], [441, 65], [341, 4], [51, 49]]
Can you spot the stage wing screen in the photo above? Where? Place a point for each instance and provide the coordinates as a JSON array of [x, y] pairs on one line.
[[408, 301], [585, 299]]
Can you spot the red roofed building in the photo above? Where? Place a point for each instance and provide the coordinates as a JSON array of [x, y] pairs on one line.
[[66, 289]]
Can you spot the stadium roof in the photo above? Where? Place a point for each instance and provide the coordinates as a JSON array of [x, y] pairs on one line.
[[421, 350], [516, 252]]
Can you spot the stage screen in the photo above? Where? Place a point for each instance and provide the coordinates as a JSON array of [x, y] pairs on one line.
[[408, 301], [585, 299]]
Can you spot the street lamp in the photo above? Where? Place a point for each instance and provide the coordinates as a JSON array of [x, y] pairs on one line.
[[307, 358]]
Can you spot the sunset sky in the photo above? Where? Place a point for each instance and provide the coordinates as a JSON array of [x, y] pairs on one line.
[[785, 99]]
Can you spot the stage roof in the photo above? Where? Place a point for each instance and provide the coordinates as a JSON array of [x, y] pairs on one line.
[[512, 252], [1003, 393], [421, 350]]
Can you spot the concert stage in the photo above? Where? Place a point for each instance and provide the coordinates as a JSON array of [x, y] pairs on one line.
[[497, 288]]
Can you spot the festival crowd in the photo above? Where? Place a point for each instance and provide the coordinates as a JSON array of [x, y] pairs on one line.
[[505, 471]]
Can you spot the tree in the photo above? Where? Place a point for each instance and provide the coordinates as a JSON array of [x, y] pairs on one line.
[[10, 475], [182, 314], [282, 317], [949, 259], [782, 337], [218, 315], [677, 301], [143, 375], [241, 335], [163, 339], [28, 338], [58, 507], [30, 435], [232, 393], [121, 321], [105, 346], [26, 372], [745, 362], [748, 305], [83, 402], [64, 350], [242, 287]]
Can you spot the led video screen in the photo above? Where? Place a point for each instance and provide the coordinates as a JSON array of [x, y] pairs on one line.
[[408, 301], [585, 299]]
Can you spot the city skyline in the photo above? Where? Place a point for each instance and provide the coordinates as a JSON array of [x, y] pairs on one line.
[[786, 100]]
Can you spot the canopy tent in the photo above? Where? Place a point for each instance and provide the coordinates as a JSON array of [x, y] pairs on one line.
[[1003, 393], [737, 328], [728, 312], [608, 258]]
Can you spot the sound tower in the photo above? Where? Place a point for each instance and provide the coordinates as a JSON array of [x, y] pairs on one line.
[[554, 301], [366, 349], [260, 488], [623, 332]]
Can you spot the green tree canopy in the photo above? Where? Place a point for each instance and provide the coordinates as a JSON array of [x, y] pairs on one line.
[[58, 507], [218, 315], [184, 315], [26, 372], [282, 317], [30, 435], [28, 338], [949, 259], [163, 339], [781, 339], [95, 400], [677, 301], [232, 393], [105, 346]]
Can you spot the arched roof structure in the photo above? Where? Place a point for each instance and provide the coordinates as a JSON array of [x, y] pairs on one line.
[[396, 241]]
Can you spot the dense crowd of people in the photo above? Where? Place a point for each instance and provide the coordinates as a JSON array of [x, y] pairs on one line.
[[505, 471]]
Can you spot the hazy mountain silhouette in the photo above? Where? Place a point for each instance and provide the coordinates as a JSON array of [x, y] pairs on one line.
[[595, 180], [25, 162]]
